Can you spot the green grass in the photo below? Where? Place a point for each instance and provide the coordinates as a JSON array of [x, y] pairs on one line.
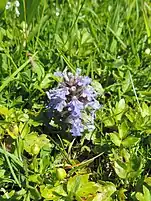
[[110, 41]]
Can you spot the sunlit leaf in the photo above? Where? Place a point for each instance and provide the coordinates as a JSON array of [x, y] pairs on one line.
[[115, 139], [119, 109], [130, 141]]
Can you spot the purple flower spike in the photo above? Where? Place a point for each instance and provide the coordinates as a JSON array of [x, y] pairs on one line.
[[58, 98], [73, 98], [84, 81], [75, 106], [77, 127], [94, 104], [89, 93]]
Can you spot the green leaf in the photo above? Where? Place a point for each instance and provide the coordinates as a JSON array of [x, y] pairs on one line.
[[107, 187], [88, 188], [115, 139], [4, 110], [120, 169], [123, 130], [33, 139], [109, 121], [130, 141], [121, 194], [2, 4], [147, 180], [2, 33], [2, 172], [135, 166], [8, 195], [34, 193], [145, 196], [35, 178], [76, 182], [105, 191], [52, 193], [39, 70], [145, 110], [13, 131], [140, 196], [119, 109], [98, 87], [130, 115], [23, 117], [24, 129], [126, 83], [46, 81], [86, 37], [79, 186], [28, 10]]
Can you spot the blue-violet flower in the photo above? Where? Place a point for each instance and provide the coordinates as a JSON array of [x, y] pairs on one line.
[[75, 100]]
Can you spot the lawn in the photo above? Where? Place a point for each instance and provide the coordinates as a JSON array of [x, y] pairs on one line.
[[75, 93]]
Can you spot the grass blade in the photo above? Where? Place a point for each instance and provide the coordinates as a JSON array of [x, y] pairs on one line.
[[7, 81]]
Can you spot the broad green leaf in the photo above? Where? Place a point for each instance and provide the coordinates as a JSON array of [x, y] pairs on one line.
[[86, 37], [23, 117], [125, 154], [145, 110], [46, 81], [120, 169], [109, 121], [115, 139], [123, 130], [44, 162], [147, 193], [2, 4], [119, 109], [4, 110], [24, 129], [126, 83], [135, 166], [130, 141], [52, 193], [33, 139], [100, 197], [130, 115], [36, 178], [13, 131], [140, 196], [79, 186], [2, 172], [88, 188], [39, 70], [105, 191], [145, 196], [98, 87], [74, 183], [107, 187], [147, 180]]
